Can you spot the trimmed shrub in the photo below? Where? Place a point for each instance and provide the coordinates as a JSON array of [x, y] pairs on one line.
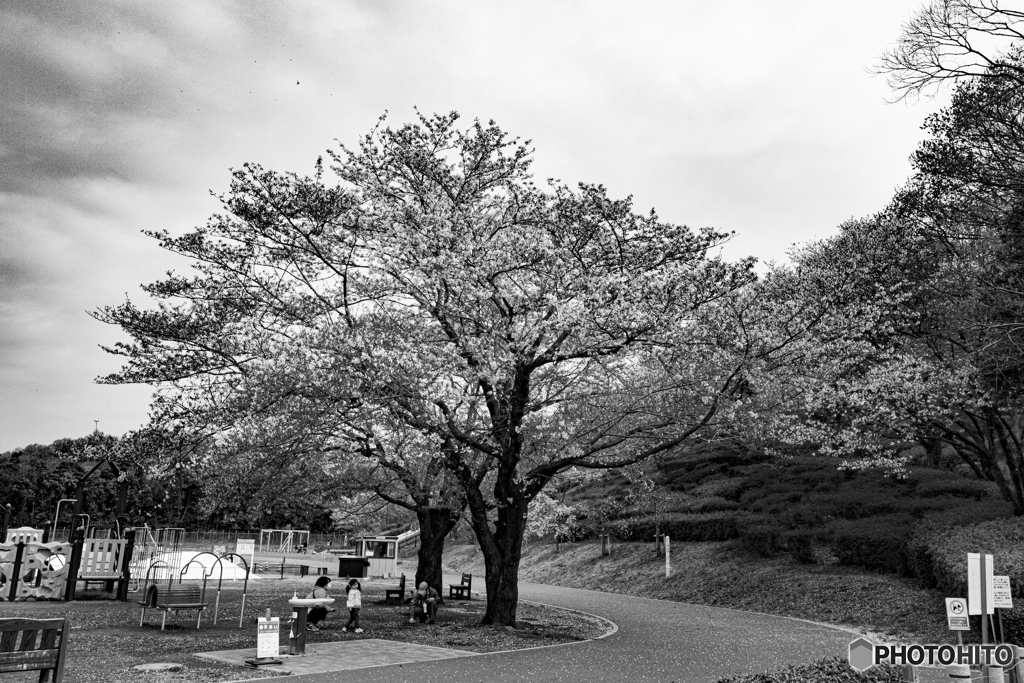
[[1013, 623], [800, 544], [831, 670], [713, 504], [874, 543], [963, 488], [711, 526], [944, 553], [765, 539]]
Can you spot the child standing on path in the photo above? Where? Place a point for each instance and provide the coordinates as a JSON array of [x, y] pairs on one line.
[[354, 604]]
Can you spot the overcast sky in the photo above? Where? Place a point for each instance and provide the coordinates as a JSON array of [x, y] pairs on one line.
[[752, 116]]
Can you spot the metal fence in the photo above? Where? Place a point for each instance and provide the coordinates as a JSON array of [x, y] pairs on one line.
[[204, 540]]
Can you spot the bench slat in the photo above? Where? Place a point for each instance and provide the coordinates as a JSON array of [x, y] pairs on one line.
[[30, 660], [182, 605], [19, 624]]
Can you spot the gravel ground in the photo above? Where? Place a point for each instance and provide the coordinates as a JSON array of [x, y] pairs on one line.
[[107, 641]]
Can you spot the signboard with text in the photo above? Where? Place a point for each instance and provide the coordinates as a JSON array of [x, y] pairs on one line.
[[1003, 596], [268, 637], [956, 614]]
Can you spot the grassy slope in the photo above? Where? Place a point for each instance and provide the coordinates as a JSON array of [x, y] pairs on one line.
[[721, 575]]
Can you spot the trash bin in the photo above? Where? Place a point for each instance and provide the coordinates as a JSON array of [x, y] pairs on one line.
[[303, 570], [355, 567]]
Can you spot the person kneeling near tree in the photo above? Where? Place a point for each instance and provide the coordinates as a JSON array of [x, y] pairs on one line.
[[424, 604], [319, 612]]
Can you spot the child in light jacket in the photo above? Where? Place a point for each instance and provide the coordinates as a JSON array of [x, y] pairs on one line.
[[354, 604]]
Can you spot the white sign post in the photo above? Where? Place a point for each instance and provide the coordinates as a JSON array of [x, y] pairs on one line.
[[980, 584], [981, 594], [668, 562]]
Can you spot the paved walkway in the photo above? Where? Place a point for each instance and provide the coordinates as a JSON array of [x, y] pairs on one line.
[[344, 655], [656, 641]]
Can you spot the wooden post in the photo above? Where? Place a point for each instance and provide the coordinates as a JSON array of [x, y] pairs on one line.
[[668, 553]]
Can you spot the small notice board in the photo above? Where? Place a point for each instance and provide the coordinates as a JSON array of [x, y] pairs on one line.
[[1003, 598], [956, 614], [268, 637]]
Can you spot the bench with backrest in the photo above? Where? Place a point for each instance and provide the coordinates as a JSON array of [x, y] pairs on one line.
[[172, 599], [41, 647], [463, 589], [397, 594]]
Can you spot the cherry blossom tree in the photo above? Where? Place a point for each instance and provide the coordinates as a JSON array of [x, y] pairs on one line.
[[437, 291]]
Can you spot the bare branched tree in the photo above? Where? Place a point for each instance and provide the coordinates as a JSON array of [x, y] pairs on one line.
[[951, 40]]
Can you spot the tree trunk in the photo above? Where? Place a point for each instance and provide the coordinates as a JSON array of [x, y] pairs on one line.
[[502, 577], [501, 546], [435, 523]]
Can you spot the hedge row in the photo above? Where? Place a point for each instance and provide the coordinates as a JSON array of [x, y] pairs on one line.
[[832, 670], [709, 526], [894, 543], [941, 553]]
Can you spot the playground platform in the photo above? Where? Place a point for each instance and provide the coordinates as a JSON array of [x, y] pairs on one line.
[[340, 656]]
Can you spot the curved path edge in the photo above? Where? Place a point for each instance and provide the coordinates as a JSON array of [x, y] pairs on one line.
[[610, 630]]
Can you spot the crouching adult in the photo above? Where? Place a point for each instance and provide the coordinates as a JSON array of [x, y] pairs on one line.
[[424, 604]]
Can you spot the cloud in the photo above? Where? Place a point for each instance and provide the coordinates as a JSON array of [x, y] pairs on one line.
[[120, 116]]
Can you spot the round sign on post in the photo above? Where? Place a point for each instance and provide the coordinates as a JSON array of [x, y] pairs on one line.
[[956, 614]]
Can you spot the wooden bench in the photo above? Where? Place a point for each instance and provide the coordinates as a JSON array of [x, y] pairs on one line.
[[43, 653], [461, 590], [173, 598], [397, 593]]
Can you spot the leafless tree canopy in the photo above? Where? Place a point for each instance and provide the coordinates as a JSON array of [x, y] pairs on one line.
[[949, 40]]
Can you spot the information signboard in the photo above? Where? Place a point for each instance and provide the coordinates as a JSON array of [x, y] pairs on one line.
[[956, 614], [1003, 596], [268, 637]]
